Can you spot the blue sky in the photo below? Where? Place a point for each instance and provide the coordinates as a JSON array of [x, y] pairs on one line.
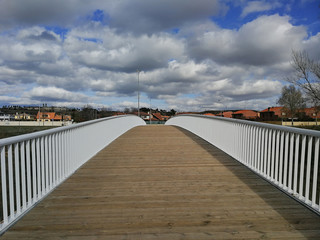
[[223, 54]]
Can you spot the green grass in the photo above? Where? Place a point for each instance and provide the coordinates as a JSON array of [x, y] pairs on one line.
[[10, 131]]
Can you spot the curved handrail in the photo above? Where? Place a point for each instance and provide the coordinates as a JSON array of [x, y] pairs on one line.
[[285, 156], [302, 131], [28, 136], [34, 164]]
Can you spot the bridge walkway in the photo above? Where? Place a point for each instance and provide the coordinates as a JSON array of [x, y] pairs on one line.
[[162, 182]]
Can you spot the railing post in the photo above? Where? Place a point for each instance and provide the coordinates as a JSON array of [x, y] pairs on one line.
[[296, 165], [315, 173], [276, 176], [302, 164], [17, 175], [10, 174], [307, 197], [290, 189]]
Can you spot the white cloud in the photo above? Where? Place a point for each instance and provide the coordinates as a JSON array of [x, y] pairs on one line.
[[54, 94], [258, 6], [143, 16], [122, 52], [199, 63], [266, 40], [149, 16]]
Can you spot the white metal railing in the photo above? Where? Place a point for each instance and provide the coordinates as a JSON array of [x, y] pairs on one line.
[[32, 165], [285, 156]]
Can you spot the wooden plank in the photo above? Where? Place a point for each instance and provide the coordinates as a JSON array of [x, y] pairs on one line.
[[162, 182]]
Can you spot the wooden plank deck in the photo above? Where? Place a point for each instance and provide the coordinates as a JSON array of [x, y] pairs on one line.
[[161, 182]]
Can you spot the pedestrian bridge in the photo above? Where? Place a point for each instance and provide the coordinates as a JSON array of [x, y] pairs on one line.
[[194, 178]]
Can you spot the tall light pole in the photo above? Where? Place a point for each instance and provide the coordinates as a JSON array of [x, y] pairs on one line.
[[138, 71]]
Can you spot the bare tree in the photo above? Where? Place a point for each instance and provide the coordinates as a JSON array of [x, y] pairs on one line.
[[292, 101], [307, 75]]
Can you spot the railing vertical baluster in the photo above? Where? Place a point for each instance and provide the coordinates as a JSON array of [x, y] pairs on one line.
[[23, 176], [269, 153], [50, 168], [10, 174], [296, 164], [64, 166], [307, 197], [46, 162], [259, 151], [245, 138], [34, 170], [4, 185], [273, 155], [70, 150], [286, 154], [315, 173], [276, 177], [290, 189], [249, 148], [265, 160], [244, 144], [253, 147], [57, 156], [73, 152], [54, 160], [263, 139], [256, 147], [42, 157], [241, 143], [60, 157], [65, 153], [302, 163], [236, 142], [281, 160], [28, 162], [39, 192], [17, 175]]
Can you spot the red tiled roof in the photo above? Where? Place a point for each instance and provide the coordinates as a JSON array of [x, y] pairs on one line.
[[228, 114], [276, 110], [158, 116], [246, 113], [46, 115], [52, 116], [312, 112], [209, 114]]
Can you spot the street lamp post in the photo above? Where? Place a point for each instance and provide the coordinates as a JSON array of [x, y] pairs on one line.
[[138, 71]]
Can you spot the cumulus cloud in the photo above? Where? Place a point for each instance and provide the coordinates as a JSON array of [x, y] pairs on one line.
[[121, 53], [54, 94], [143, 16], [147, 16], [266, 40], [258, 6], [33, 12]]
